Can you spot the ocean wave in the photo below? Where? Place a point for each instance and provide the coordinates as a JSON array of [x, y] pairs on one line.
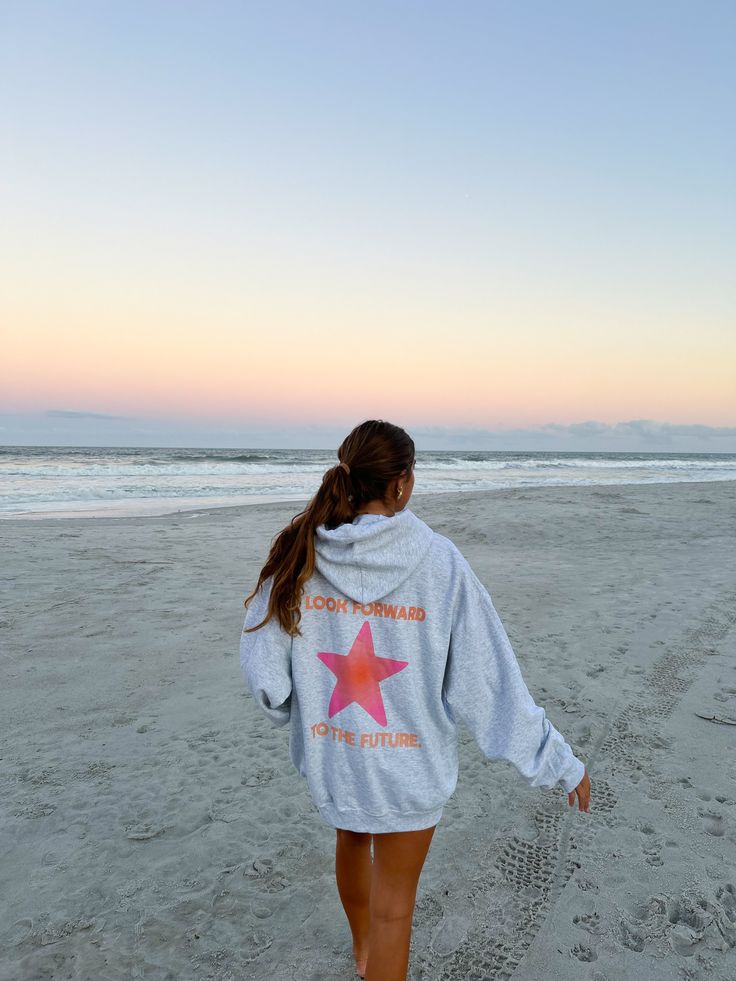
[[39, 479], [225, 458]]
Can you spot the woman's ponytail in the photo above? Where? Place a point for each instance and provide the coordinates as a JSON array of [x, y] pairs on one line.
[[373, 454], [291, 559]]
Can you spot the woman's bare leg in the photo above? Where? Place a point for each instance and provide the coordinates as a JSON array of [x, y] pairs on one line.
[[353, 874], [398, 859]]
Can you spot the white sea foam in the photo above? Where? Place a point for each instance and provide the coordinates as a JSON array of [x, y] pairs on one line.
[[45, 480]]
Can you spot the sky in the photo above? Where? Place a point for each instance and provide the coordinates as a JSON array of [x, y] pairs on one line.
[[510, 225]]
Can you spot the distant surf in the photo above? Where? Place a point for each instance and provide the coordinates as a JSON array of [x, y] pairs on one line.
[[37, 481]]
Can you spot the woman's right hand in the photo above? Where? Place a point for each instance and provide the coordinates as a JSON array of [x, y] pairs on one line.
[[582, 791]]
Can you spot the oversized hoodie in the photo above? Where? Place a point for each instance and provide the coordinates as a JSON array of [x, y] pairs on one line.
[[399, 642]]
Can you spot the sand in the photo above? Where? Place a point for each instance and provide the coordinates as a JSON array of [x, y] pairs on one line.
[[152, 824]]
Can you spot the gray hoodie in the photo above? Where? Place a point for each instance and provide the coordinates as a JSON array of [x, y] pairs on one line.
[[400, 641]]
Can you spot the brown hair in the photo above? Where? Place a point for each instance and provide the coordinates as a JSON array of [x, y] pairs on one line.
[[373, 454]]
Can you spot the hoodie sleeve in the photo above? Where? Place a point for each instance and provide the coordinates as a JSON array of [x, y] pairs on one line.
[[265, 660], [484, 687]]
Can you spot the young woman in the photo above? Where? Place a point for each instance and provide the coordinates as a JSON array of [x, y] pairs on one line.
[[371, 636]]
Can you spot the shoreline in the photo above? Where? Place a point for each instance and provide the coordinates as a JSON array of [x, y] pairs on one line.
[[276, 501]]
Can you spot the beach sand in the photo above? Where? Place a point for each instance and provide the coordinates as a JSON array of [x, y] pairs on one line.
[[153, 826]]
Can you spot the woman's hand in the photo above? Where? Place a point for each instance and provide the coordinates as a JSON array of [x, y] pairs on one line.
[[583, 794]]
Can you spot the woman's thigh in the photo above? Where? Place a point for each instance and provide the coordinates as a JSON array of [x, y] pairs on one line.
[[398, 859], [354, 839]]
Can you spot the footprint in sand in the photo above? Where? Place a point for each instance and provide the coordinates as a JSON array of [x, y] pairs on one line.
[[450, 934], [687, 921], [587, 884], [584, 953], [258, 777], [262, 871], [629, 936], [225, 806], [260, 911], [254, 943], [19, 931], [588, 921], [653, 853], [725, 695], [713, 824]]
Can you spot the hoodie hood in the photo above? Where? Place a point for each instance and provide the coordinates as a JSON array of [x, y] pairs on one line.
[[371, 557]]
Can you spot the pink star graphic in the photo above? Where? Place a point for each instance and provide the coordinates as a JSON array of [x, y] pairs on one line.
[[359, 673]]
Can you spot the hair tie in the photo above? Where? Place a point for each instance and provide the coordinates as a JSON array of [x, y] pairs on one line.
[[345, 467]]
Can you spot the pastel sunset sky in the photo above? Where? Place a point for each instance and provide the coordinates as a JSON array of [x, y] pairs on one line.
[[230, 223]]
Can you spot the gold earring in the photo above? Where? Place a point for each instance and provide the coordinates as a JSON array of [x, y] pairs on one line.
[[401, 491]]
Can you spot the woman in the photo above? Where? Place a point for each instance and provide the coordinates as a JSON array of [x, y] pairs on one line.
[[370, 634]]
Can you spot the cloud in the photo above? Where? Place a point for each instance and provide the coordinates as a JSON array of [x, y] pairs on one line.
[[65, 427], [590, 428], [637, 427], [71, 414], [645, 429], [628, 436], [651, 429]]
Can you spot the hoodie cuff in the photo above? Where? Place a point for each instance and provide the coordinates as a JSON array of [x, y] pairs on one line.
[[572, 775]]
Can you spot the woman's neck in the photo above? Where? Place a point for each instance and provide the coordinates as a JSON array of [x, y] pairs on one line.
[[376, 507]]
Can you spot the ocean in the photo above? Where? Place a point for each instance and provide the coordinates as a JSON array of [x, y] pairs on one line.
[[41, 481]]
